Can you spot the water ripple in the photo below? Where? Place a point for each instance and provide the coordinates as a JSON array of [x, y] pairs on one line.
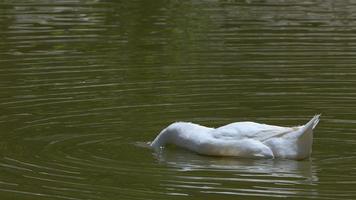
[[82, 82]]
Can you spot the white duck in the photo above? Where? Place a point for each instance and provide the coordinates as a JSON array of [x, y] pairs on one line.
[[241, 139]]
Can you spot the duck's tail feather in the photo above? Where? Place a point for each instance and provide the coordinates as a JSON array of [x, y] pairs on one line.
[[308, 127], [313, 122]]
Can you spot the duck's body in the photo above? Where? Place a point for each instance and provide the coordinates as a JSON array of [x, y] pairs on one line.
[[241, 139]]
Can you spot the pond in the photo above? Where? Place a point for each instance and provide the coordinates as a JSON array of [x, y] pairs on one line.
[[84, 83]]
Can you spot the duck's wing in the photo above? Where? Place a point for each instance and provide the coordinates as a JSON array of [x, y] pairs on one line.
[[251, 130]]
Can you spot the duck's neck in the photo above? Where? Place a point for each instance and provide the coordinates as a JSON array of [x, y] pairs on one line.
[[179, 133], [161, 139]]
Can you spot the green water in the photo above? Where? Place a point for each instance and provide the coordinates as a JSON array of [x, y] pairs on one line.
[[82, 83]]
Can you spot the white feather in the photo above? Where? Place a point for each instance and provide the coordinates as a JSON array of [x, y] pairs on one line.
[[241, 139]]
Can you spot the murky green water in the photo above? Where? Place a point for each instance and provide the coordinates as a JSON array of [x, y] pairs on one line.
[[82, 82]]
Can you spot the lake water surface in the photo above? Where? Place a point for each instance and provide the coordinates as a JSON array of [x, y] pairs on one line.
[[83, 83]]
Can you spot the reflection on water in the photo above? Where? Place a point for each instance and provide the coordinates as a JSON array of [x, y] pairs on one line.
[[280, 178], [82, 81], [188, 161]]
